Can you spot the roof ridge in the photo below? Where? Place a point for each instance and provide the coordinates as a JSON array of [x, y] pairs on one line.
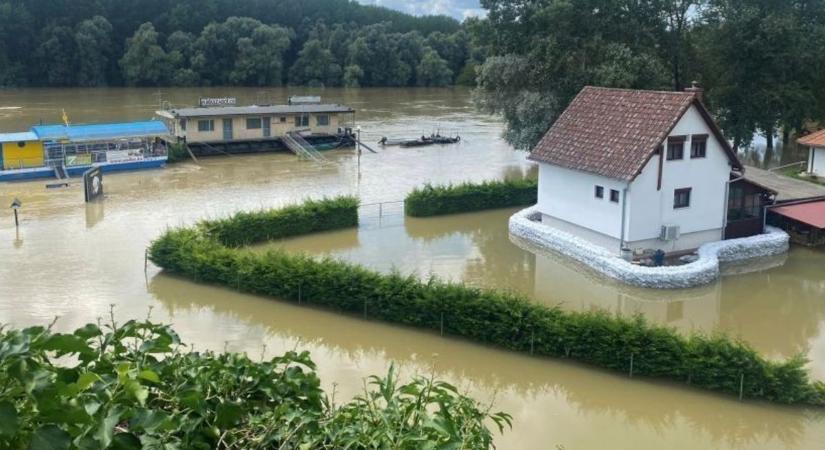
[[642, 91]]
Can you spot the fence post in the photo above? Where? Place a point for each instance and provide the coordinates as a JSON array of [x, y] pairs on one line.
[[741, 385], [631, 365], [442, 323]]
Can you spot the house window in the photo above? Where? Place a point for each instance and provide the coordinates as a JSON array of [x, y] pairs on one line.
[[599, 192], [681, 198], [253, 123], [698, 146], [675, 148], [322, 120], [206, 125], [301, 121], [614, 196]]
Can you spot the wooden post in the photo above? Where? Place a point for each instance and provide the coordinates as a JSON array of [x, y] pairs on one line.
[[631, 365], [442, 324], [741, 386], [16, 222]]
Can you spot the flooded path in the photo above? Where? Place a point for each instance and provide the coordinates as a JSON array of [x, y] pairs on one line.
[[74, 260]]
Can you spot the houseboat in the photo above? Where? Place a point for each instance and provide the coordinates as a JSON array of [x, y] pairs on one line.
[[218, 126], [67, 150]]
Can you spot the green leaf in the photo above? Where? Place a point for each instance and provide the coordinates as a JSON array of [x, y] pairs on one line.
[[126, 441], [66, 343], [148, 420], [228, 415], [149, 375], [106, 430], [50, 437], [89, 331], [8, 420], [137, 391], [86, 380]]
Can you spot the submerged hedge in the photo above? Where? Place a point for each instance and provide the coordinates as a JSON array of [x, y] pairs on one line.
[[629, 345], [437, 200], [309, 217]]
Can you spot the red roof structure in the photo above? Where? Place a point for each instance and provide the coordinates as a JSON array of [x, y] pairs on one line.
[[810, 213], [816, 139], [615, 132]]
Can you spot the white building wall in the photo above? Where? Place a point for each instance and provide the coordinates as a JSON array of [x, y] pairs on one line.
[[568, 196], [707, 177], [816, 161]]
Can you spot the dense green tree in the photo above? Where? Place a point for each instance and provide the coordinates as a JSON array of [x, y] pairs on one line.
[[145, 63], [353, 75], [375, 51], [315, 66], [56, 55], [93, 41], [433, 70]]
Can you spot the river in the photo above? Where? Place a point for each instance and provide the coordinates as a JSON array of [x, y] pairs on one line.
[[74, 260]]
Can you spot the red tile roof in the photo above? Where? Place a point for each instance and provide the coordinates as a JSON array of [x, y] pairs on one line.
[[816, 139], [614, 132], [812, 213]]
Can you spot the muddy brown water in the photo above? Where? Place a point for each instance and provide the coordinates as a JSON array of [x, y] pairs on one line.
[[74, 261]]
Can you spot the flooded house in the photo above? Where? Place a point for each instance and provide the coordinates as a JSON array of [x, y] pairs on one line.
[[641, 171], [219, 126], [816, 152], [67, 150]]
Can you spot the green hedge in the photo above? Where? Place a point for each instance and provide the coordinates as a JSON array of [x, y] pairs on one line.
[[310, 217], [436, 200], [629, 345], [177, 152]]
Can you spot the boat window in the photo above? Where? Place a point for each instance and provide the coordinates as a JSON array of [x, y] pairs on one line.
[[206, 125], [322, 120], [301, 121], [253, 123], [183, 124], [21, 144], [283, 119]]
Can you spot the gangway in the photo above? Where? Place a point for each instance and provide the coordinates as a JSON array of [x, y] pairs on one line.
[[298, 145], [60, 172]]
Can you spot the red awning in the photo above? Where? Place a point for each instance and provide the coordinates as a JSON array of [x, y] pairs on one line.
[[812, 213]]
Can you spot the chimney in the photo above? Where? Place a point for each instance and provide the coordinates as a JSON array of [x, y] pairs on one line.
[[696, 89]]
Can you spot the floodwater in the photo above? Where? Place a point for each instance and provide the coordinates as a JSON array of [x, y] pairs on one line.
[[74, 261]]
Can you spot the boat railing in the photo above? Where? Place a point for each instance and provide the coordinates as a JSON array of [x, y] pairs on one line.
[[301, 147]]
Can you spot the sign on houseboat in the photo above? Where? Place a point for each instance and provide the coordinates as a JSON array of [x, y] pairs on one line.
[[205, 102]]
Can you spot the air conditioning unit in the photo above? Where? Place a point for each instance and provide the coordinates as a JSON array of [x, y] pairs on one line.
[[669, 232]]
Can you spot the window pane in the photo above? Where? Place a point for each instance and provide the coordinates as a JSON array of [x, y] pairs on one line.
[[599, 192], [614, 195], [253, 123], [322, 120]]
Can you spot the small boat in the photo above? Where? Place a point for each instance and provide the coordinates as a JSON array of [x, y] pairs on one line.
[[422, 141]]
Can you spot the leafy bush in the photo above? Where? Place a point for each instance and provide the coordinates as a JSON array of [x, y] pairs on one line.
[[177, 152], [131, 387], [629, 345], [437, 200], [310, 217]]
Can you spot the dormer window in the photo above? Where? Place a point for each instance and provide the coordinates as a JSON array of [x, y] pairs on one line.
[[675, 148], [698, 146]]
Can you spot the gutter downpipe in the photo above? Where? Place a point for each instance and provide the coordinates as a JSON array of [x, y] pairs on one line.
[[725, 202], [624, 216]]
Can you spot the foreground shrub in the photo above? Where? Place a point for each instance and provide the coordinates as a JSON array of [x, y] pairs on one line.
[[629, 345], [132, 387], [437, 200]]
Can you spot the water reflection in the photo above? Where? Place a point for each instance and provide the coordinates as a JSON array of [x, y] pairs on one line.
[[513, 379]]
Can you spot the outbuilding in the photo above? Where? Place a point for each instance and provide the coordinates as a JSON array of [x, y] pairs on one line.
[[816, 152]]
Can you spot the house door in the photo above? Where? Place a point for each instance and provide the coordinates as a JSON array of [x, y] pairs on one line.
[[227, 129], [266, 127]]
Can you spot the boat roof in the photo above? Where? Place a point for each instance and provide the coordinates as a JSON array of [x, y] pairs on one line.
[[218, 111], [100, 131], [18, 137]]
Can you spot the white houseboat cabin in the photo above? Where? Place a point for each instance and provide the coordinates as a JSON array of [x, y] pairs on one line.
[[258, 128], [641, 171]]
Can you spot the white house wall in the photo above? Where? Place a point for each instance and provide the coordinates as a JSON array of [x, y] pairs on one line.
[[816, 161], [650, 208], [569, 197]]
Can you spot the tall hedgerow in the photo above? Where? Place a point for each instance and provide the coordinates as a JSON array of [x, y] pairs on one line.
[[629, 345], [432, 200]]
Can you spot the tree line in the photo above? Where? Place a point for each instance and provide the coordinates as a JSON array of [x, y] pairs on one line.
[[761, 62], [218, 42]]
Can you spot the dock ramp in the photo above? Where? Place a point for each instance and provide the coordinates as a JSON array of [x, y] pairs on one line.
[[298, 145], [61, 173]]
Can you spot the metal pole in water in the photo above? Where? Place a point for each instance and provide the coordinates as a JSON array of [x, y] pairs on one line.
[[532, 340], [631, 365], [299, 294], [741, 385], [145, 260], [365, 308], [442, 324]]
